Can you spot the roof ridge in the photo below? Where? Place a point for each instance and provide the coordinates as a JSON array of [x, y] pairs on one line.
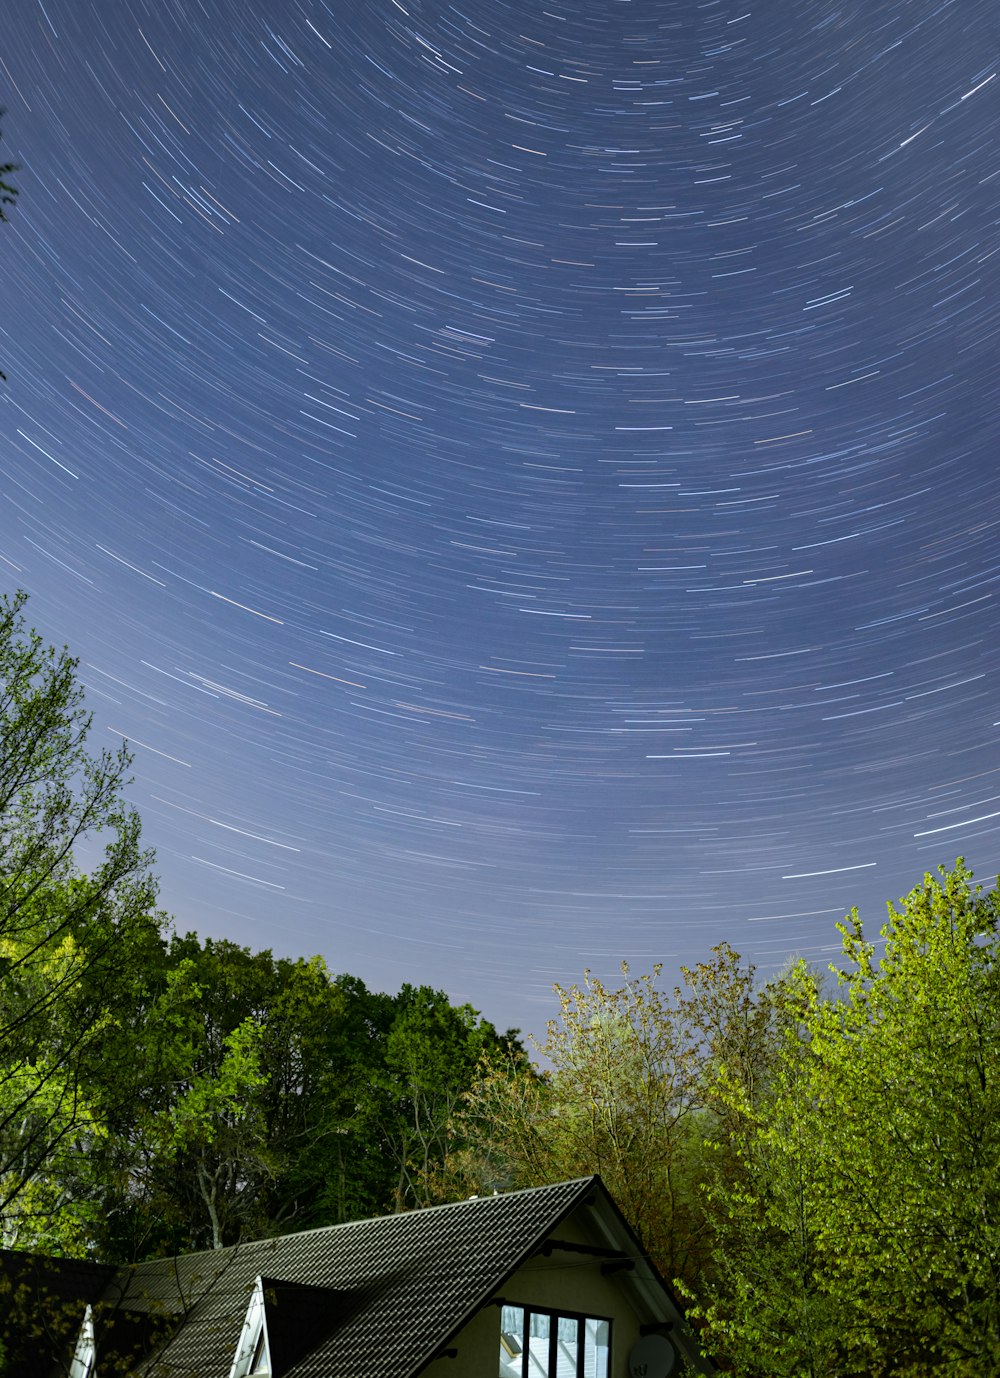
[[245, 1244]]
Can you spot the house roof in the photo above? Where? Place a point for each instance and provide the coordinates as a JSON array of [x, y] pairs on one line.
[[43, 1301], [385, 1295], [403, 1284], [53, 1293]]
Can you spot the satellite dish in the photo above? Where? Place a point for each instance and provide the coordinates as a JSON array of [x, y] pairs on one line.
[[651, 1357]]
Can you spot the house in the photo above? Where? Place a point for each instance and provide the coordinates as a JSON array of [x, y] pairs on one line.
[[545, 1283]]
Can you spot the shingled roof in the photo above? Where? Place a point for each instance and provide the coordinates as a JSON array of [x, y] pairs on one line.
[[388, 1295], [52, 1294], [395, 1289]]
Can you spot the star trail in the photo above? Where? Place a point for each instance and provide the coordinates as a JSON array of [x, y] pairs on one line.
[[522, 477]]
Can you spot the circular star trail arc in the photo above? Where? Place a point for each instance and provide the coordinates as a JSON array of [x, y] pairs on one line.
[[523, 480]]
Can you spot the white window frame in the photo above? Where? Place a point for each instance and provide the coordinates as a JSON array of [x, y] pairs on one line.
[[254, 1327], [84, 1361]]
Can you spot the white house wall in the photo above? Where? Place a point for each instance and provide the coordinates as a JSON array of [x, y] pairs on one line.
[[565, 1282]]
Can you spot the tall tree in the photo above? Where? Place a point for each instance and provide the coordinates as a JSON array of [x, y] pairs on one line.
[[432, 1051], [903, 1081], [277, 1096], [647, 1088], [189, 1162], [618, 1097], [325, 1056], [865, 1236], [68, 937], [8, 193]]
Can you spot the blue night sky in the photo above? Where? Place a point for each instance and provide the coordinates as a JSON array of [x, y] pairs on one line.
[[522, 476]]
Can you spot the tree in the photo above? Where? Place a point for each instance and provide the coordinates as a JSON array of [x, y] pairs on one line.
[[273, 1093], [8, 193], [904, 1074], [864, 1237], [188, 1161], [618, 1097], [632, 1089], [203, 1128], [432, 1051], [69, 938], [762, 1301]]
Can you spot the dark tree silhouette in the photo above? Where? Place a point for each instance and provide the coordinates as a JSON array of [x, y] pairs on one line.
[[8, 193]]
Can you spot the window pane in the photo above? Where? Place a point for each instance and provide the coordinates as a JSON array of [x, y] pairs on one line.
[[567, 1347], [511, 1341], [259, 1362], [538, 1345], [597, 1340]]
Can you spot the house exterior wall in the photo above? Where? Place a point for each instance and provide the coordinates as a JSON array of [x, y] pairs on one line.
[[564, 1282]]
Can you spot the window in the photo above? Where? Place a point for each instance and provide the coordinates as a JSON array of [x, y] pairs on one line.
[[84, 1361], [544, 1344], [252, 1354], [260, 1362]]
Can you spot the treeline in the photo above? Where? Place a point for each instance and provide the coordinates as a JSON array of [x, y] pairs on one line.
[[813, 1162], [160, 1093], [235, 1095]]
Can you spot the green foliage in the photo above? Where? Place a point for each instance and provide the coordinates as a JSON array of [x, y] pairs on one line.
[[208, 1126], [271, 1096], [622, 1094], [70, 940], [432, 1052], [864, 1234], [630, 1090], [209, 1134]]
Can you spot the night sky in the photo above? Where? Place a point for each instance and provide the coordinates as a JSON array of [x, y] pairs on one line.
[[523, 477]]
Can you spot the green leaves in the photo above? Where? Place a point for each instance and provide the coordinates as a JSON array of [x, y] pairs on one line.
[[816, 1165], [66, 936], [911, 1069], [630, 1090], [864, 1237]]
